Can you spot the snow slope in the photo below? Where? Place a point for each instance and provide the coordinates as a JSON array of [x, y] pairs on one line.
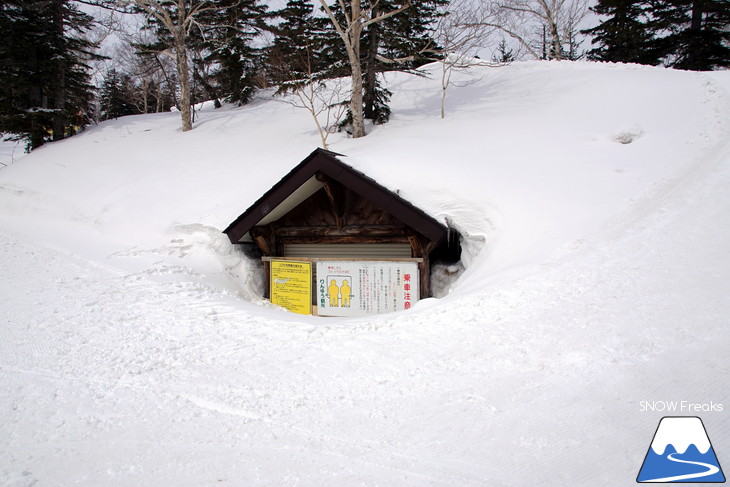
[[592, 198]]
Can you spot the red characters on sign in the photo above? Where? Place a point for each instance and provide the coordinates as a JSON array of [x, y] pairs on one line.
[[407, 289]]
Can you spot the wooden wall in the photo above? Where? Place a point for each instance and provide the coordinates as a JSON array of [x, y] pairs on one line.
[[335, 215]]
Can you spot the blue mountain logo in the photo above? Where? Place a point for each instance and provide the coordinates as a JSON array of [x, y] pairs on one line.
[[681, 452]]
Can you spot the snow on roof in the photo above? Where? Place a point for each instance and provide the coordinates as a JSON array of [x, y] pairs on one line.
[[301, 182]]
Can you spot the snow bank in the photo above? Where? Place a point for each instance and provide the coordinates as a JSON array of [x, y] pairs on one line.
[[531, 158], [592, 200]]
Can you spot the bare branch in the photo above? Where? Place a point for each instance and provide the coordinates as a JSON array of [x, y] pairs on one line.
[[523, 9], [335, 23], [112, 5], [387, 15]]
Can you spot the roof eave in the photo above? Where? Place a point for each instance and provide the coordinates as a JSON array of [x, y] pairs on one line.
[[327, 162]]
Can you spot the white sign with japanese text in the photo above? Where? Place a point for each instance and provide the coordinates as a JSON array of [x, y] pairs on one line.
[[356, 288]]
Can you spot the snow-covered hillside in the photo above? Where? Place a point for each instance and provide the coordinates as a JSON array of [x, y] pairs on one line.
[[135, 349]]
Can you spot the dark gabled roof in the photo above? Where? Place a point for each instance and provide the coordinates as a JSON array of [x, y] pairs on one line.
[[327, 163]]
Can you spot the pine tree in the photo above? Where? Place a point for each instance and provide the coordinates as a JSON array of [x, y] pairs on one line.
[[212, 41], [402, 42], [685, 34], [45, 89], [306, 47], [350, 23], [504, 54], [572, 42], [408, 37], [698, 35], [389, 35], [626, 35], [228, 34], [293, 55], [117, 95]]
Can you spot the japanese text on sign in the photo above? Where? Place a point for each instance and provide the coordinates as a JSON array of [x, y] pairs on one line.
[[291, 285], [354, 288]]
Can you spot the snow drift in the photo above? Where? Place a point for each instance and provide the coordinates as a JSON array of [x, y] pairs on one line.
[[592, 200]]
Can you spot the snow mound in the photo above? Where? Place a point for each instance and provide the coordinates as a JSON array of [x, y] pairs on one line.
[[628, 135], [135, 349], [499, 169]]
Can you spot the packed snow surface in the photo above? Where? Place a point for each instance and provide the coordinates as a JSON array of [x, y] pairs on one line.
[[592, 201]]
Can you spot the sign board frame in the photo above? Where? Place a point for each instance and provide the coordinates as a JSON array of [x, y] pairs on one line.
[[365, 287], [291, 285], [377, 288]]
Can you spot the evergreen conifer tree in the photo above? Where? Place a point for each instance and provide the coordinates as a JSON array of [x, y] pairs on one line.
[[625, 36], [45, 89], [299, 49], [504, 54], [698, 35], [228, 32], [215, 34], [116, 97], [402, 42], [306, 47]]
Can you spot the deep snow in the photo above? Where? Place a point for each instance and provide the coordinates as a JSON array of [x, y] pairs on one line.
[[592, 198]]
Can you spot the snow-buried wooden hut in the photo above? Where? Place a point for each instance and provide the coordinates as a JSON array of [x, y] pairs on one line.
[[336, 243]]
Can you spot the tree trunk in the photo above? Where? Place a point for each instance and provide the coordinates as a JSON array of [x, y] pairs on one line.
[[697, 11], [445, 79], [694, 45], [35, 98], [350, 34], [371, 73], [557, 46], [181, 56], [158, 100], [59, 83], [356, 108], [145, 92], [353, 52]]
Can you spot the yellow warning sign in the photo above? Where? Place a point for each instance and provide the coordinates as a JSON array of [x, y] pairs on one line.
[[291, 285]]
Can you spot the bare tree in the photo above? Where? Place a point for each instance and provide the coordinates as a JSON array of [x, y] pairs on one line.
[[519, 19], [154, 69], [460, 34], [323, 98], [178, 17], [356, 19], [323, 101]]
